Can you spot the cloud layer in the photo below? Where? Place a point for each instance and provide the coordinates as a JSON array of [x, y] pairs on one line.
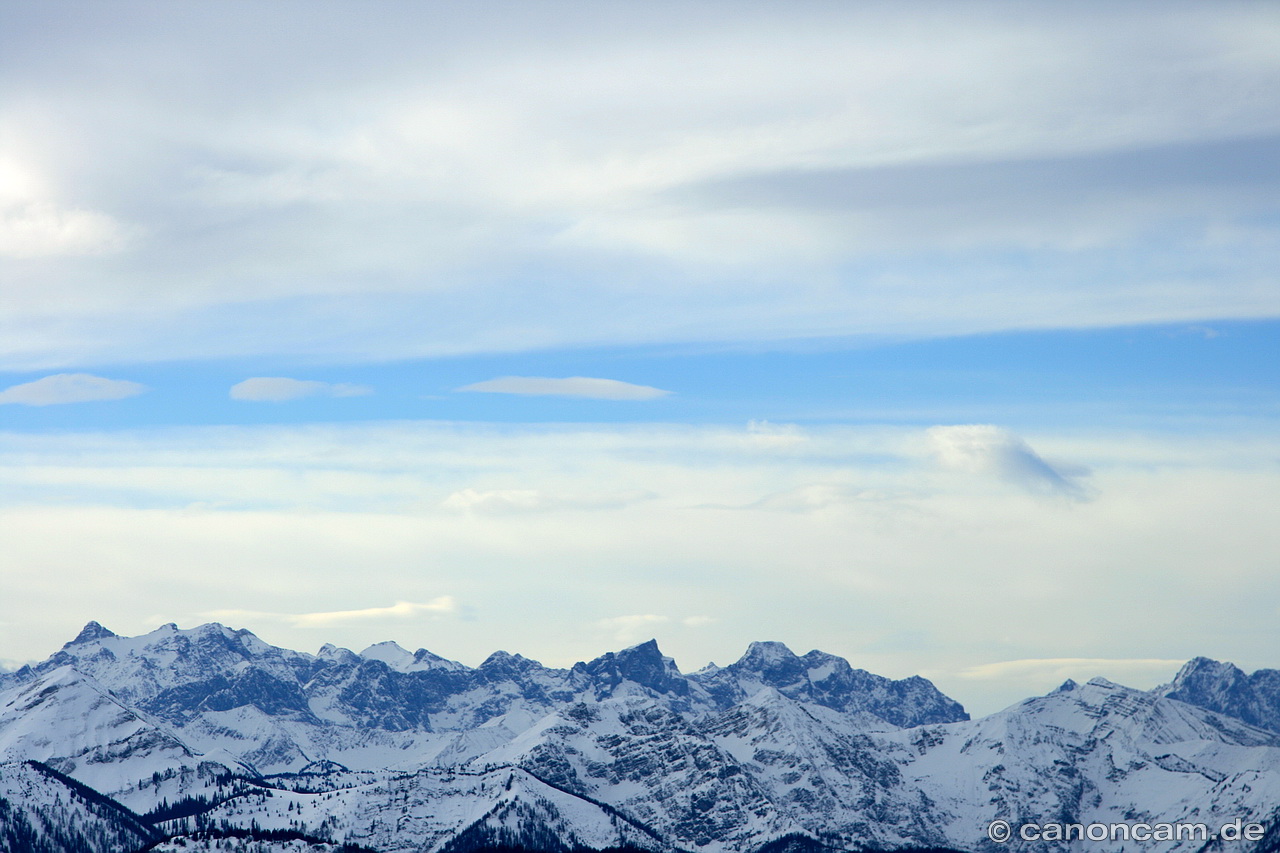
[[316, 183], [559, 540]]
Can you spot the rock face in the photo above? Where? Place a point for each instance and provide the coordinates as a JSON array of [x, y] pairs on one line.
[[225, 689], [1223, 687], [210, 734], [827, 680]]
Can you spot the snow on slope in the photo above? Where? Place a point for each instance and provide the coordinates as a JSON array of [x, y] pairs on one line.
[[403, 660], [70, 722], [822, 679], [1224, 687], [401, 750], [429, 809], [834, 773], [41, 813], [282, 711], [653, 765], [191, 844], [1093, 753]]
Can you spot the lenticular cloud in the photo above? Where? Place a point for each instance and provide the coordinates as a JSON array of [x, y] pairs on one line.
[[279, 389], [573, 386], [991, 450], [70, 388]]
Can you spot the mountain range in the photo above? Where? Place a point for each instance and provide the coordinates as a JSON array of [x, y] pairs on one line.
[[183, 739]]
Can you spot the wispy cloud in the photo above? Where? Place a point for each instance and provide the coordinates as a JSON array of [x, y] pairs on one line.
[[573, 386], [1014, 680], [818, 496], [279, 389], [41, 229], [251, 515], [70, 388], [535, 500], [991, 450], [629, 210], [636, 627], [1064, 668], [400, 610], [775, 436]]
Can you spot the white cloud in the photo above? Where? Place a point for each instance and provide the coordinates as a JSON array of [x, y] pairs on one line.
[[637, 627], [573, 386], [679, 180], [1006, 682], [399, 610], [775, 436], [991, 450], [1060, 669], [818, 496], [290, 520], [498, 500], [36, 230], [626, 629], [70, 388], [33, 226], [533, 500], [278, 389]]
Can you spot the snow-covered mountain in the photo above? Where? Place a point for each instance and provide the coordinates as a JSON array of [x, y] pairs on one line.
[[827, 680], [1224, 687], [224, 692], [42, 811], [211, 734]]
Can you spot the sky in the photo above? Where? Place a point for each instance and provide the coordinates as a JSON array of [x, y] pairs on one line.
[[941, 336]]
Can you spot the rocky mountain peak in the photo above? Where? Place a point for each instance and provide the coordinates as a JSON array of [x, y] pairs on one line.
[[501, 662], [643, 664], [767, 655], [330, 653], [828, 680], [423, 659], [90, 632], [614, 752], [1225, 688], [389, 652], [1201, 673]]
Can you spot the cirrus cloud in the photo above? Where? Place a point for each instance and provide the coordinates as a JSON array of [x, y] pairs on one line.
[[399, 610], [70, 388], [493, 501], [572, 386], [633, 627], [1063, 668]]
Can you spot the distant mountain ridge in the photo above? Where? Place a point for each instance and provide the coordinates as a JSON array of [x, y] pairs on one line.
[[214, 668], [210, 733]]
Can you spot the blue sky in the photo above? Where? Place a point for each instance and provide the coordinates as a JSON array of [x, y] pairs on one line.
[[940, 336], [1159, 377]]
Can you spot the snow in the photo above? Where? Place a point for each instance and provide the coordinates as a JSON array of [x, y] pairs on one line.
[[404, 751], [390, 653]]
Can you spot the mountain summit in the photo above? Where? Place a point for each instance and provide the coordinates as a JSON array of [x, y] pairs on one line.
[[1225, 688]]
